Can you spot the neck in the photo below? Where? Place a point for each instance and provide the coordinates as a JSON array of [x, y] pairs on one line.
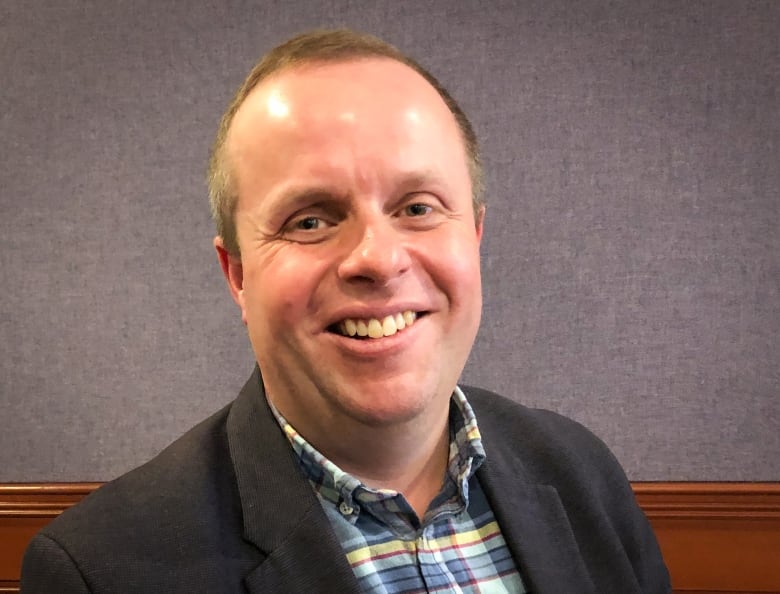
[[414, 465], [409, 457]]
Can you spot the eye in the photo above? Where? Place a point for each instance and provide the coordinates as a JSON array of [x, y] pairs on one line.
[[309, 223], [417, 210], [309, 227]]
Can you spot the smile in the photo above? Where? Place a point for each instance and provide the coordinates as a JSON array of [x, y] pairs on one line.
[[374, 327]]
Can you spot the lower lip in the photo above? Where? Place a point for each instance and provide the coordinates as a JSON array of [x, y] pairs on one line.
[[378, 347]]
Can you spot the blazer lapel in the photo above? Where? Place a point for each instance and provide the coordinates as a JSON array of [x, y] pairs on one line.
[[307, 561], [536, 529], [282, 515]]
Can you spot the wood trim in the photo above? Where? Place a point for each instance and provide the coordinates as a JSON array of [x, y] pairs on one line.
[[719, 538], [756, 501], [25, 509], [41, 500]]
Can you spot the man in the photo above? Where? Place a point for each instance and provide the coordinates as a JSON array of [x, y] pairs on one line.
[[345, 186]]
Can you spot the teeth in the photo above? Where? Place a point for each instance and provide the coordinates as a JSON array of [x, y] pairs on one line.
[[361, 328], [388, 326], [375, 328], [350, 327]]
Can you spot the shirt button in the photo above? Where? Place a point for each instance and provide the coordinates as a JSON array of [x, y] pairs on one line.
[[345, 508]]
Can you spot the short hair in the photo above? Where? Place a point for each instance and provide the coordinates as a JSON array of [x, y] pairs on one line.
[[318, 46]]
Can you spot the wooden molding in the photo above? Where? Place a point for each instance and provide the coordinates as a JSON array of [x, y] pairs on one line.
[[757, 501], [25, 509], [719, 538], [28, 500]]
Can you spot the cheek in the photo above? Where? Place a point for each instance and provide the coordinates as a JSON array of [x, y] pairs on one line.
[[457, 265], [284, 288]]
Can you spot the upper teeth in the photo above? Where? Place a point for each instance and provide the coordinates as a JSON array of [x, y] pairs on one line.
[[376, 328]]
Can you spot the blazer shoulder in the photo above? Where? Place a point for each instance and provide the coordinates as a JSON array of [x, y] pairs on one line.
[[187, 483], [167, 525], [519, 422], [47, 567], [541, 447], [545, 446]]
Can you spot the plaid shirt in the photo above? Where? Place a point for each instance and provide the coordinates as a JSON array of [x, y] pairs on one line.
[[458, 546]]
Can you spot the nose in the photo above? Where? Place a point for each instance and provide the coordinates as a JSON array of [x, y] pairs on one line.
[[377, 254]]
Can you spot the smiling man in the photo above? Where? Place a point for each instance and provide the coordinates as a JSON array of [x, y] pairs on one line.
[[345, 186]]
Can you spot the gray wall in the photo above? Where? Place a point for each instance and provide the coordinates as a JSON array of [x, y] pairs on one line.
[[632, 251]]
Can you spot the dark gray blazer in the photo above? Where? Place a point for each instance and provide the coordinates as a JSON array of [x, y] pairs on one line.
[[225, 508]]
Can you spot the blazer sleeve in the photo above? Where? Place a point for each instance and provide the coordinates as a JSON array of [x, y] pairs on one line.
[[47, 568]]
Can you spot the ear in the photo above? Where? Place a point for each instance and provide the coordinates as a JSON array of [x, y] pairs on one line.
[[234, 274], [479, 220]]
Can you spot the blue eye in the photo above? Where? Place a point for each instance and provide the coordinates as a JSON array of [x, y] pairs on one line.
[[418, 210]]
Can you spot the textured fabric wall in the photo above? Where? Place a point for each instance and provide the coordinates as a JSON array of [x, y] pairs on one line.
[[632, 252]]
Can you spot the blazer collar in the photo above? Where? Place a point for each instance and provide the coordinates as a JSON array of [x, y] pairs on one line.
[[282, 515]]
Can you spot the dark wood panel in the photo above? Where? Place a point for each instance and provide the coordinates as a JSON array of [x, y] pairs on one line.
[[717, 538]]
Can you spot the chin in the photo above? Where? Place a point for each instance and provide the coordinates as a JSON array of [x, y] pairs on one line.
[[373, 417], [384, 406]]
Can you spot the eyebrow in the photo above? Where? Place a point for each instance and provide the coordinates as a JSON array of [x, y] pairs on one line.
[[299, 196], [426, 177]]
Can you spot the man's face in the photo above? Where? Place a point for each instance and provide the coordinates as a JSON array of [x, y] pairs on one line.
[[354, 209]]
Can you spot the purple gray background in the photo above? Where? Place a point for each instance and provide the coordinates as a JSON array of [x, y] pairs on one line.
[[632, 249]]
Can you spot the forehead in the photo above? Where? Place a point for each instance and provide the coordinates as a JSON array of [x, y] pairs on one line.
[[374, 95]]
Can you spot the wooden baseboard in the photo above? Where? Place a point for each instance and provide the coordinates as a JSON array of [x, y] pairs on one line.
[[719, 538]]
